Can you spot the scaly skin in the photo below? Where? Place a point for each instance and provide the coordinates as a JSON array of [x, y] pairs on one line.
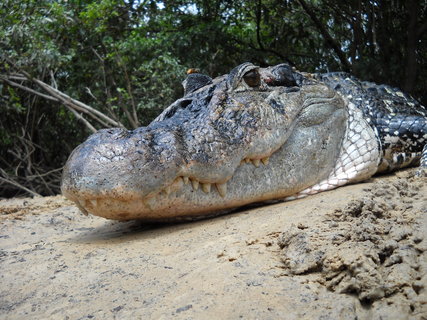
[[254, 135]]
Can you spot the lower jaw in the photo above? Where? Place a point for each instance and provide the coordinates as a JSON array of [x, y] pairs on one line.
[[175, 208], [184, 202], [140, 210]]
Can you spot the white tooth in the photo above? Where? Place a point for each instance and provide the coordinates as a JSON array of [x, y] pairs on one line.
[[222, 189], [256, 162], [185, 179], [206, 187], [148, 203], [195, 184], [80, 204], [167, 190], [265, 160]]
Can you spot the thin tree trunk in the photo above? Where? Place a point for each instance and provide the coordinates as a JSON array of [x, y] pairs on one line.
[[411, 46]]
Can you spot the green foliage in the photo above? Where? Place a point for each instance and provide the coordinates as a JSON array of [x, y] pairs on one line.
[[128, 57]]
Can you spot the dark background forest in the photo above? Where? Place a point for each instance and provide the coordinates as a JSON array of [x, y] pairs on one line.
[[68, 68]]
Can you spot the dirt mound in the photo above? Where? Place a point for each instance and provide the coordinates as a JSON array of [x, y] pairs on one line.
[[373, 247]]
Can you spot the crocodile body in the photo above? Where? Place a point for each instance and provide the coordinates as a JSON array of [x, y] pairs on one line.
[[254, 135]]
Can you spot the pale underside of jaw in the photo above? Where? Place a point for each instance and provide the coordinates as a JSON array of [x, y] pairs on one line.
[[147, 208]]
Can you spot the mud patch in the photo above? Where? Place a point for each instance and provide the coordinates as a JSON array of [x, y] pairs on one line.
[[374, 247]]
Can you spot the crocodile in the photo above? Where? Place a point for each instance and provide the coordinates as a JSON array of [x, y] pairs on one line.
[[255, 135]]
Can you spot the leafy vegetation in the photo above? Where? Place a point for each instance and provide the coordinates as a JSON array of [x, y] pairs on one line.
[[70, 67]]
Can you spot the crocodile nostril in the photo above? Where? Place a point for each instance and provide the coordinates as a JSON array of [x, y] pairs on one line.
[[185, 103], [283, 76], [118, 133], [108, 134]]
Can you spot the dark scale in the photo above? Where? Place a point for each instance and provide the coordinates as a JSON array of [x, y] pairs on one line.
[[399, 121]]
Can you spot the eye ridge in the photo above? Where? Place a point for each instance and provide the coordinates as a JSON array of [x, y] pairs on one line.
[[252, 78]]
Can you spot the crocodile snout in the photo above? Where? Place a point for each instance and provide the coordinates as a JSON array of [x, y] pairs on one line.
[[120, 164]]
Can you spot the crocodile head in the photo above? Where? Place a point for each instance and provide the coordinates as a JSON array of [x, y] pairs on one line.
[[253, 135]]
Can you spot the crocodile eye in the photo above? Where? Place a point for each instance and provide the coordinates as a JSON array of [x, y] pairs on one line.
[[252, 78]]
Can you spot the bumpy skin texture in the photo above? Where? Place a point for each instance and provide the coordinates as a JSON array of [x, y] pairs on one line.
[[254, 135]]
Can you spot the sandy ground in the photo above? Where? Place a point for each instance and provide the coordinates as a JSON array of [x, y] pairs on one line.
[[358, 252]]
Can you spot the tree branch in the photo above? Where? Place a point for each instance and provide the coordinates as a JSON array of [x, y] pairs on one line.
[[325, 34], [16, 184], [65, 99], [75, 104], [277, 53], [19, 86], [80, 117]]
